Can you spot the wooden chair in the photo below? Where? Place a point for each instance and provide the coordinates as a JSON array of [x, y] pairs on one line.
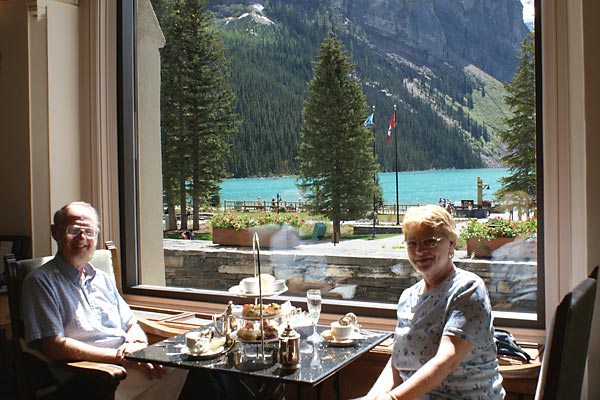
[[563, 365], [34, 372]]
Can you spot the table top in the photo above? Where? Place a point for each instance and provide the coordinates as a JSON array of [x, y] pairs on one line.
[[317, 363]]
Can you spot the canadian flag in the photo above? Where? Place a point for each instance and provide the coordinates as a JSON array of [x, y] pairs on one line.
[[392, 124]]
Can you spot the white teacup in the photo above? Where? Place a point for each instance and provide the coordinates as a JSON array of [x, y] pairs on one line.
[[341, 332], [196, 343], [249, 285]]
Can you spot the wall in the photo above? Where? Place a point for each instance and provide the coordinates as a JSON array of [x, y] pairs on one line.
[[14, 138], [591, 32], [149, 40], [47, 137], [512, 285]]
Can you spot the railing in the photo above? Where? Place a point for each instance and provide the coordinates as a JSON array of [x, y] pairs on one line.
[[390, 209], [297, 206], [258, 205]]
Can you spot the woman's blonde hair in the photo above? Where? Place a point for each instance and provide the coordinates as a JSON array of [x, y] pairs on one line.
[[430, 216]]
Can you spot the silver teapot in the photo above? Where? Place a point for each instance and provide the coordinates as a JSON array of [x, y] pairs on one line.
[[225, 323], [289, 349]]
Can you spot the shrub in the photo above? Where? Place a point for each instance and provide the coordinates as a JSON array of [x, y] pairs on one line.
[[239, 222], [498, 228]]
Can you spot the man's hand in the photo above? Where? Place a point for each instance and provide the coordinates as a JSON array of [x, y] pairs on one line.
[[151, 370]]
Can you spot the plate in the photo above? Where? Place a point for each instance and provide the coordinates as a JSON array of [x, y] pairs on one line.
[[340, 343], [237, 290], [205, 354], [235, 337]]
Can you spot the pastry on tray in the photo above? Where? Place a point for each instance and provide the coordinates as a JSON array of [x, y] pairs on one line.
[[253, 310], [250, 332]]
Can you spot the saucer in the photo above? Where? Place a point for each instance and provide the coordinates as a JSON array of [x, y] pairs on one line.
[[237, 290], [340, 343], [204, 354]]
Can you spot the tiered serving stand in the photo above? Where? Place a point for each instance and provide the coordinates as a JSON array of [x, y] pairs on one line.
[[237, 290]]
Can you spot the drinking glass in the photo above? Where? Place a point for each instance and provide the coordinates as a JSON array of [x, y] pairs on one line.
[[313, 299]]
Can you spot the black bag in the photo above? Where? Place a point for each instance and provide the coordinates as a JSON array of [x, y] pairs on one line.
[[507, 346]]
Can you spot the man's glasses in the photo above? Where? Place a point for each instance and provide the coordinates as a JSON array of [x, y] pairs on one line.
[[75, 230], [428, 243]]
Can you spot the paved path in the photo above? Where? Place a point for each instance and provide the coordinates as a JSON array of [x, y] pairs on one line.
[[388, 247]]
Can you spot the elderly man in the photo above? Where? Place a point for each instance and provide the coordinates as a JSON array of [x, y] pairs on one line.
[[73, 311]]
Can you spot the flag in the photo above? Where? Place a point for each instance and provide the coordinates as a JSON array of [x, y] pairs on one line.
[[369, 120], [392, 124]]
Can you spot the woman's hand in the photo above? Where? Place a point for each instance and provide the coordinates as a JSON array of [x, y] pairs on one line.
[[379, 396]]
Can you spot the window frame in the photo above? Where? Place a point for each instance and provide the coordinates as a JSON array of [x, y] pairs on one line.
[[128, 196]]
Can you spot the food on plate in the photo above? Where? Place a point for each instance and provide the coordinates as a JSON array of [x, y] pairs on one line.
[[216, 343], [251, 332], [253, 310], [266, 280], [327, 335]]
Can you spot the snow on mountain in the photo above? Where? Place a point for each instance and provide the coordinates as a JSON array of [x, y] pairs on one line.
[[528, 13]]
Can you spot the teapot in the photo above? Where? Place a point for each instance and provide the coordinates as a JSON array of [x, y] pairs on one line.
[[289, 349], [225, 323]]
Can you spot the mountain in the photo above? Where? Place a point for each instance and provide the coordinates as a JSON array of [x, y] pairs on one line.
[[440, 61]]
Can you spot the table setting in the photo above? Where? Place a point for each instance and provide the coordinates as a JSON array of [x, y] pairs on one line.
[[276, 342]]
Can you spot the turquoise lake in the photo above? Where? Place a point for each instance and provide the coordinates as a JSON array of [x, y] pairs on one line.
[[423, 187]]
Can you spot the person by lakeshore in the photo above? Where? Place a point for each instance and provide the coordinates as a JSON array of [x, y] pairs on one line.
[[188, 235], [73, 311], [444, 338]]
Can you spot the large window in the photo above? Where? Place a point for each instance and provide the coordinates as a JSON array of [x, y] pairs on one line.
[[370, 283]]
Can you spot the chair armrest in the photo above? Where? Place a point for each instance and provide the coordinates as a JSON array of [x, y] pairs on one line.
[[111, 372], [99, 372]]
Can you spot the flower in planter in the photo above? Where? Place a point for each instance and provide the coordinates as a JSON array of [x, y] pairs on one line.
[[498, 228], [239, 222]]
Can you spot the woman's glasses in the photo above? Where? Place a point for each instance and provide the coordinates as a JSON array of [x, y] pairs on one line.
[[428, 243], [75, 230]]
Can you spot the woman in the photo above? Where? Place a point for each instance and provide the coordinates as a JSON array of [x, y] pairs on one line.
[[444, 342]]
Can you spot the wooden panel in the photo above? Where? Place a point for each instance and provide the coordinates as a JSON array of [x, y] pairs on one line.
[[4, 311]]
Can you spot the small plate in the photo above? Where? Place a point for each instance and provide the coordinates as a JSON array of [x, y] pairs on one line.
[[205, 354], [340, 343], [237, 290]]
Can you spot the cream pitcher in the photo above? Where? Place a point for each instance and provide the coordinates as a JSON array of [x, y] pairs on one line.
[[225, 323], [289, 349]]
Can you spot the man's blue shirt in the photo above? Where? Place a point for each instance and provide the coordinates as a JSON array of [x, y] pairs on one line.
[[56, 302]]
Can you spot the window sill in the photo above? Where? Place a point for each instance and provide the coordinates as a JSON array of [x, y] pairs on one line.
[[206, 309]]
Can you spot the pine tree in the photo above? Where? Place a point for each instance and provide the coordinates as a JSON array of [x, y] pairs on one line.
[[336, 156], [197, 106], [520, 134]]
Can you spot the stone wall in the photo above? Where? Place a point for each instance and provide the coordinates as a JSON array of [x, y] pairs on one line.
[[512, 285]]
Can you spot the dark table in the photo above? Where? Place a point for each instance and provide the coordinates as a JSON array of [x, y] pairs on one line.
[[244, 359]]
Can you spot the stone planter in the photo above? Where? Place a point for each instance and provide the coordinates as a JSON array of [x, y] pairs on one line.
[[268, 238], [483, 247]]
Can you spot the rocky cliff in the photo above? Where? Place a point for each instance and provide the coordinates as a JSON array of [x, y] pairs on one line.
[[485, 33]]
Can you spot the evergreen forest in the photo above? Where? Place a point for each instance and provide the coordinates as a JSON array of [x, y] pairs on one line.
[[447, 116]]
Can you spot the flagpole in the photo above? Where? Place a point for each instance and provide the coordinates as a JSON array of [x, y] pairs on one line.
[[374, 180], [396, 153]]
